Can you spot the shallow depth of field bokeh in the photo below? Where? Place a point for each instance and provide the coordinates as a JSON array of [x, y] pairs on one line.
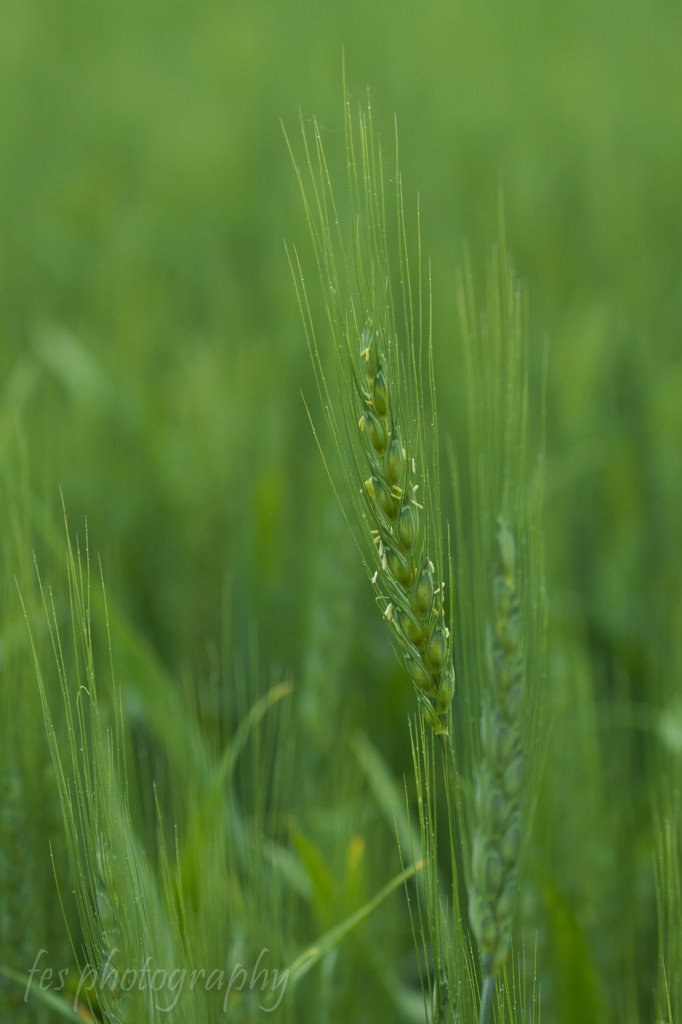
[[152, 367]]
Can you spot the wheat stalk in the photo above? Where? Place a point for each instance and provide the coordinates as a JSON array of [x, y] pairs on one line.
[[383, 425]]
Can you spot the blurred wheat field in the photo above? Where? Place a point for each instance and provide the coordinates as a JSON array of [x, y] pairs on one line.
[[151, 372]]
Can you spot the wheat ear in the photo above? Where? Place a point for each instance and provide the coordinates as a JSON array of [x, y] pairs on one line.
[[497, 837], [382, 416], [414, 597]]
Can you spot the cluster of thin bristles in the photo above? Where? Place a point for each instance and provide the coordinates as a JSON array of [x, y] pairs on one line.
[[414, 597], [497, 837]]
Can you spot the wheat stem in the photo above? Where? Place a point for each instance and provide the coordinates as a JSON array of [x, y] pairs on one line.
[[485, 1012]]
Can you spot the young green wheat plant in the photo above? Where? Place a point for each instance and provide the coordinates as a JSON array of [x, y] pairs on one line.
[[179, 880], [380, 404], [502, 613]]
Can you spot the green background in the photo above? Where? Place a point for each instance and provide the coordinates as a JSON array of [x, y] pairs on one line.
[[152, 362]]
